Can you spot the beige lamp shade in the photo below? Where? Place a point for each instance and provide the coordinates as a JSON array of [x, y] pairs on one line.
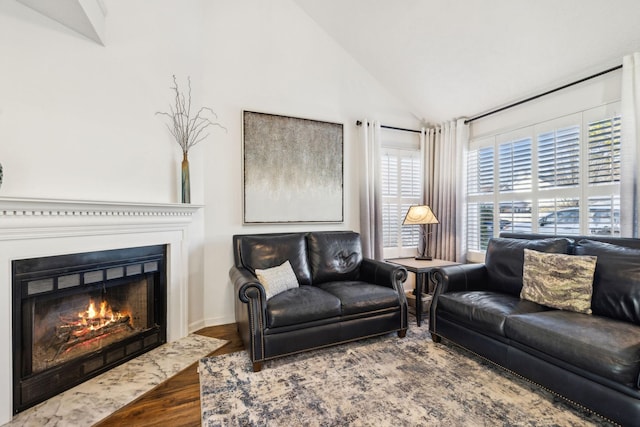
[[420, 214]]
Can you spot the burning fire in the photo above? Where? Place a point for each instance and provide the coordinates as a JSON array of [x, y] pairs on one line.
[[91, 313], [95, 319], [91, 326]]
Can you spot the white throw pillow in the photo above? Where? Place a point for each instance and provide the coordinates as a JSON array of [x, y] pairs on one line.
[[277, 279]]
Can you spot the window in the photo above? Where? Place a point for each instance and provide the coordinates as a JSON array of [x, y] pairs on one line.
[[558, 158], [514, 165], [556, 177], [401, 188]]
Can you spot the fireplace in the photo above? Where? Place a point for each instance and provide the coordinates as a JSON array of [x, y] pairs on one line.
[[36, 228], [75, 316]]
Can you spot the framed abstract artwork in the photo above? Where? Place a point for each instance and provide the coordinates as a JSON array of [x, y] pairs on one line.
[[292, 169]]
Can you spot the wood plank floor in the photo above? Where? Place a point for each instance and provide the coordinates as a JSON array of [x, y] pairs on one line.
[[176, 402]]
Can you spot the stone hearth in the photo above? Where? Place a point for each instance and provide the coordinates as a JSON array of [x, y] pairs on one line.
[[31, 228]]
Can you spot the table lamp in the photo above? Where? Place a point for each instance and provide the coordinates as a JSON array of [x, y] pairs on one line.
[[421, 215]]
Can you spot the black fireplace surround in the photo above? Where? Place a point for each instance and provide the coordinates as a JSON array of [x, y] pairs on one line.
[[76, 316]]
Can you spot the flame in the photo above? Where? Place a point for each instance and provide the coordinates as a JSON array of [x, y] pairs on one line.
[[91, 311], [95, 319]]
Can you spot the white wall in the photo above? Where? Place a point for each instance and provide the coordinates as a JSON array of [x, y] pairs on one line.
[[592, 93], [271, 57], [77, 119]]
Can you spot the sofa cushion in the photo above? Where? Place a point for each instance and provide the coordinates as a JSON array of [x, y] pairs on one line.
[[267, 251], [558, 280], [360, 297], [616, 285], [505, 260], [334, 256], [485, 311], [278, 279], [599, 345], [301, 305]]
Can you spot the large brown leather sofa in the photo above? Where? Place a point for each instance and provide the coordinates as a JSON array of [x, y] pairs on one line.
[[341, 295], [590, 359]]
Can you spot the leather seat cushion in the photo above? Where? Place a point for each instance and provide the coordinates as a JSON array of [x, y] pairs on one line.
[[485, 311], [301, 305], [361, 297], [606, 347]]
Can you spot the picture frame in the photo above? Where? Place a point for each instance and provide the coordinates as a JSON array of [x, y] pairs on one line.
[[293, 169]]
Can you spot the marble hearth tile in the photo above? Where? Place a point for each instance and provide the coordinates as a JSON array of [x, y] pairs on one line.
[[97, 398]]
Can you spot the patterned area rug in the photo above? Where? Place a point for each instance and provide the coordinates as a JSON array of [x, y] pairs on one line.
[[99, 397], [385, 381]]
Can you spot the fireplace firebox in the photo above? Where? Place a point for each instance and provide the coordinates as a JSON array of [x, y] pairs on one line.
[[78, 315]]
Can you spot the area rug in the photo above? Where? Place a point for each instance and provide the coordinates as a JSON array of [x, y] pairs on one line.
[[99, 397], [384, 381]]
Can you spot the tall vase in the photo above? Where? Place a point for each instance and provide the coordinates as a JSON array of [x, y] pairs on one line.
[[186, 185]]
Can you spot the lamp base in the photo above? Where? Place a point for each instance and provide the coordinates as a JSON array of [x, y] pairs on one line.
[[424, 258]]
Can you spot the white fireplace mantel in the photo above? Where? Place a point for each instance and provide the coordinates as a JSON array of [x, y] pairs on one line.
[[31, 228], [25, 210]]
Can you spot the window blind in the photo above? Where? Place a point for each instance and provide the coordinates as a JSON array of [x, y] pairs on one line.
[[401, 188], [557, 177]]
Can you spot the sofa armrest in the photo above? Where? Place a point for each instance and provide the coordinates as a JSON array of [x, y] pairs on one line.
[[250, 311], [246, 285], [463, 277], [389, 275], [383, 274]]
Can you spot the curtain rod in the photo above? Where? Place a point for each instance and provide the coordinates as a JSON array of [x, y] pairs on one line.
[[480, 116], [359, 123]]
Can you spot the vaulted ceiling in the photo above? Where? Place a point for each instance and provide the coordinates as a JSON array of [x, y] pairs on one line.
[[87, 17], [457, 58], [451, 58]]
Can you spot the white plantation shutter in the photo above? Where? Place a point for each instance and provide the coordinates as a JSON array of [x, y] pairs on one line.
[[514, 165], [603, 201], [473, 227], [480, 171], [557, 177], [485, 174], [559, 158], [410, 188], [480, 188], [515, 215], [480, 225], [604, 151], [410, 185], [559, 216], [604, 215], [401, 188], [389, 181]]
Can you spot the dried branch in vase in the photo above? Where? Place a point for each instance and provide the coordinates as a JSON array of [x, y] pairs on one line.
[[188, 130]]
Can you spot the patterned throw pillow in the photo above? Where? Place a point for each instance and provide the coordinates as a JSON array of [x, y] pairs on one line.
[[277, 279], [558, 280]]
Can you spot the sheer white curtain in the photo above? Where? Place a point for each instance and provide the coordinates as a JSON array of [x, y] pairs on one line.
[[444, 188], [630, 146], [370, 190]]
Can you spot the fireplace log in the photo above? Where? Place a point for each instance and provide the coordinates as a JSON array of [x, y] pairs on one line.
[[75, 334], [77, 329]]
